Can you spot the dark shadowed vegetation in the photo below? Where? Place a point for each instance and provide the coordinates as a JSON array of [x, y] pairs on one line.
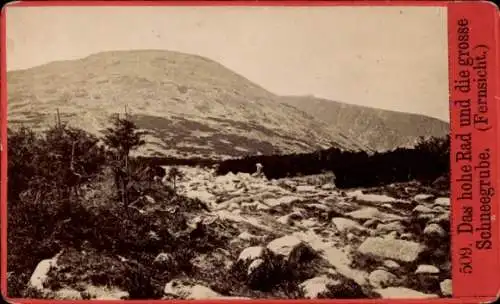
[[69, 190], [427, 162]]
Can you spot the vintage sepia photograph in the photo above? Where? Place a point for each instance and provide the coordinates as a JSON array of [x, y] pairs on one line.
[[228, 152]]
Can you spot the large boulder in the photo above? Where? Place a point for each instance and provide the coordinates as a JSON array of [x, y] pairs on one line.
[[391, 227], [427, 269], [104, 293], [398, 250], [189, 291], [381, 278], [67, 293], [428, 277], [435, 231], [40, 274], [332, 286], [442, 201], [317, 287], [251, 253], [291, 248], [347, 225]]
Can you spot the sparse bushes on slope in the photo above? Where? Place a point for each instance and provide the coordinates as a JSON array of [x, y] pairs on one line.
[[45, 215], [122, 138], [56, 161], [43, 169]]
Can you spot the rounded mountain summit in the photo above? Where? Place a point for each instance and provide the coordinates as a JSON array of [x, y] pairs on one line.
[[192, 106]]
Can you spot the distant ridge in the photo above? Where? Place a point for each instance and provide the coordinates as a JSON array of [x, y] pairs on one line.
[[378, 129]]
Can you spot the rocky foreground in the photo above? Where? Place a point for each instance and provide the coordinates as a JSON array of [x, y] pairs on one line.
[[290, 238]]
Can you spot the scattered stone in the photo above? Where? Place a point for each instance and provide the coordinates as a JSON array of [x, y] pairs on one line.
[[443, 220], [399, 250], [186, 291], [163, 259], [427, 269], [390, 264], [341, 261], [289, 184], [40, 274], [249, 205], [391, 227], [67, 293], [381, 278], [351, 237], [318, 206], [406, 236], [285, 200], [446, 288], [371, 198], [219, 257], [262, 207], [301, 253], [149, 199], [422, 209], [308, 223], [347, 225], [289, 218], [247, 236], [152, 235], [104, 293], [371, 223], [346, 279], [423, 197], [254, 266], [402, 293], [251, 253], [343, 288], [233, 205], [368, 213], [318, 286], [425, 217], [328, 187], [442, 201], [439, 209], [203, 196], [305, 188], [434, 231], [284, 245], [285, 220], [258, 272], [392, 235]]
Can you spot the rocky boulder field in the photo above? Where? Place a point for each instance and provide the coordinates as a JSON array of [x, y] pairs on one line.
[[257, 238]]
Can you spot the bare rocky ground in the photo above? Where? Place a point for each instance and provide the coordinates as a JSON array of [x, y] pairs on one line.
[[290, 238]]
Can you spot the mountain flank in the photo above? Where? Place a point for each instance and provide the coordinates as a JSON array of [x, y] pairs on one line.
[[192, 106]]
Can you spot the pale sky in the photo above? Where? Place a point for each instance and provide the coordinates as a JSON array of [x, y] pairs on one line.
[[393, 58]]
